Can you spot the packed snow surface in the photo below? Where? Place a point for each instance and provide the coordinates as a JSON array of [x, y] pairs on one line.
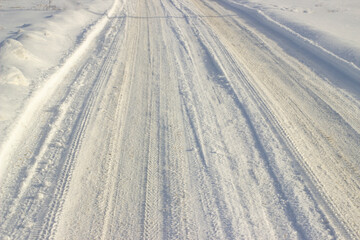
[[180, 119]]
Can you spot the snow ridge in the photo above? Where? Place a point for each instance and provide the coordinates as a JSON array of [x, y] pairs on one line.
[[42, 95], [346, 67]]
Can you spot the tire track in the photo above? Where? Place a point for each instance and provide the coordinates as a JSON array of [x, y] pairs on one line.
[[314, 189], [49, 226], [178, 215], [227, 85], [57, 153], [111, 195], [216, 210], [24, 214], [215, 64], [191, 144]]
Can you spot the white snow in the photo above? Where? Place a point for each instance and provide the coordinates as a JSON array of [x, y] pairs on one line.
[[34, 40], [180, 119], [332, 24]]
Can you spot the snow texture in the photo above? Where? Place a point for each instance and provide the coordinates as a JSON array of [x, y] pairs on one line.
[[180, 119]]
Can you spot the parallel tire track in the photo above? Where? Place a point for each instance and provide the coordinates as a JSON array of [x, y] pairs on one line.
[[314, 185], [55, 207]]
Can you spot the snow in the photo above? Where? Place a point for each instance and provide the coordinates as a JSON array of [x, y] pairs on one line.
[[332, 24], [181, 119], [34, 40]]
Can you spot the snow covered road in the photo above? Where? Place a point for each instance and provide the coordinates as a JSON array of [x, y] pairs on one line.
[[185, 120]]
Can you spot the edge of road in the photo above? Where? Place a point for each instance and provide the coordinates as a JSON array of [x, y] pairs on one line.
[[42, 95], [329, 58]]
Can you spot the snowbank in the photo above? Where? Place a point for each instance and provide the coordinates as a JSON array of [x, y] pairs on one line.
[[34, 39], [328, 29]]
